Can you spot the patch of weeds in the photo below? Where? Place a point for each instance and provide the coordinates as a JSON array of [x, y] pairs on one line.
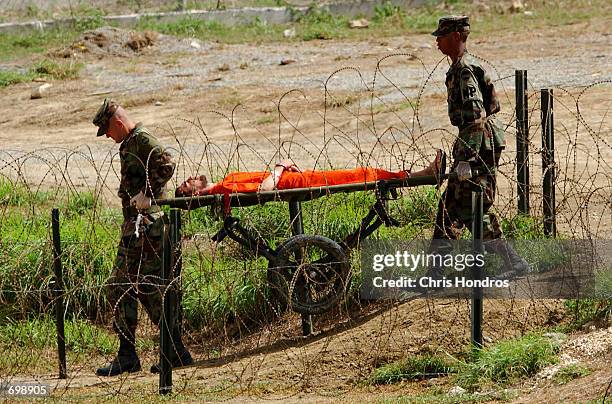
[[14, 46], [418, 207], [321, 24], [223, 291], [266, 119], [58, 71], [508, 361], [338, 215], [569, 373], [387, 11], [80, 202], [43, 68], [81, 335], [200, 221], [603, 287], [88, 19], [18, 194], [585, 311], [386, 107], [8, 77], [254, 31], [523, 227], [412, 368], [337, 102]]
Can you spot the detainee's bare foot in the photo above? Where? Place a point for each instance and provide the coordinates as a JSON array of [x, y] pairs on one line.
[[432, 169]]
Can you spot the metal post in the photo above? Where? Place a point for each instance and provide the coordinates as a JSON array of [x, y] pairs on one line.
[[548, 162], [522, 141], [297, 227], [165, 326], [177, 264], [478, 246], [59, 293]]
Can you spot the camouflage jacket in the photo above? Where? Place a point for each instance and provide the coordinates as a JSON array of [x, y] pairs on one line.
[[472, 101], [145, 166]]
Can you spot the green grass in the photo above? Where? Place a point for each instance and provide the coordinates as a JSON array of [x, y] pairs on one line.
[[499, 365], [412, 368], [569, 373], [583, 311], [39, 333], [18, 194], [56, 70], [15, 46], [438, 395], [508, 362], [8, 77], [46, 68], [89, 238]]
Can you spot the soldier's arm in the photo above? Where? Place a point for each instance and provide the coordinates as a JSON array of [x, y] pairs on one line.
[[473, 115], [158, 162]]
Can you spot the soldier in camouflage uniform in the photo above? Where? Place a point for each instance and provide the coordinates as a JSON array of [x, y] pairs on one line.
[[472, 103], [136, 275]]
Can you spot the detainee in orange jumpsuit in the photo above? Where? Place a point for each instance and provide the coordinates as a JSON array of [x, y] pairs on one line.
[[286, 175]]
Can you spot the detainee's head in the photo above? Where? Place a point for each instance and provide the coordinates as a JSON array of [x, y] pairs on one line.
[[192, 186], [113, 121], [452, 33]]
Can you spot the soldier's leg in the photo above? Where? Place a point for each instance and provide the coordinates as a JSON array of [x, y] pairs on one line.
[[122, 297], [514, 264], [446, 219], [445, 228], [151, 292]]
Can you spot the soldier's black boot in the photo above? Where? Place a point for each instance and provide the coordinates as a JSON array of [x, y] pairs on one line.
[[125, 361], [180, 355], [514, 264]]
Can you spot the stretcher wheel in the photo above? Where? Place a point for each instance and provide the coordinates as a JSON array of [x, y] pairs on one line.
[[310, 274]]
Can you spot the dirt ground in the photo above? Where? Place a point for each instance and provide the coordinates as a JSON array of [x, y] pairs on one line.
[[394, 116]]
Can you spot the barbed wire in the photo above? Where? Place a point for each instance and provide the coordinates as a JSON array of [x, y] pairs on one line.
[[240, 336]]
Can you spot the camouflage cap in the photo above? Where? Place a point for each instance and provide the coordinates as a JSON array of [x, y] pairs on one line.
[[453, 23], [104, 114]]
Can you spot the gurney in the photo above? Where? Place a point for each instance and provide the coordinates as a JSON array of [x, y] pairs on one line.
[[307, 273]]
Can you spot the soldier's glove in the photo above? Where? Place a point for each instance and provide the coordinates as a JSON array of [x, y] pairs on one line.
[[464, 171], [140, 201]]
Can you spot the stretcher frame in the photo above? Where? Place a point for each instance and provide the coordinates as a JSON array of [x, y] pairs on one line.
[[292, 281]]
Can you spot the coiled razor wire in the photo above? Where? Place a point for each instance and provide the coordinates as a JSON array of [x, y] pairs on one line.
[[239, 338]]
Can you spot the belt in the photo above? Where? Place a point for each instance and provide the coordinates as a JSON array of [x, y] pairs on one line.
[[131, 212]]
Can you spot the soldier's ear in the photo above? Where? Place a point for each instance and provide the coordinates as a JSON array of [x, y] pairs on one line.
[[120, 124]]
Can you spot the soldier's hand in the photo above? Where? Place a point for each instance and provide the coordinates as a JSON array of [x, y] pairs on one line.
[[464, 171], [141, 201]]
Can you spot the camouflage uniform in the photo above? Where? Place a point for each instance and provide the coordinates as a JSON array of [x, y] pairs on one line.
[[145, 166], [471, 104]]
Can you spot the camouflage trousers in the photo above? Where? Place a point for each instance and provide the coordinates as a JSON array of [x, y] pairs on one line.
[[455, 211], [136, 276]]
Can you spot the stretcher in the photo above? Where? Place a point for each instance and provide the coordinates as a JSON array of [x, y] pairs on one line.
[[307, 273]]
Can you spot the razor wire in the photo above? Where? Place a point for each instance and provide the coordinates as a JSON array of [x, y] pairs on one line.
[[239, 339]]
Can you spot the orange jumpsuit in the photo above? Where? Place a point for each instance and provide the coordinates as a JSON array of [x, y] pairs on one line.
[[250, 181]]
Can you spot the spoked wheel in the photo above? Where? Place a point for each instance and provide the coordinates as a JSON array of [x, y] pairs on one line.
[[310, 275]]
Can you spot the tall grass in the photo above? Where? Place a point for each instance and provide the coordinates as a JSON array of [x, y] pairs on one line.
[[508, 361], [39, 333], [412, 368]]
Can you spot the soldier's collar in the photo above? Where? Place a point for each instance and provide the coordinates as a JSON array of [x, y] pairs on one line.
[[137, 128]]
